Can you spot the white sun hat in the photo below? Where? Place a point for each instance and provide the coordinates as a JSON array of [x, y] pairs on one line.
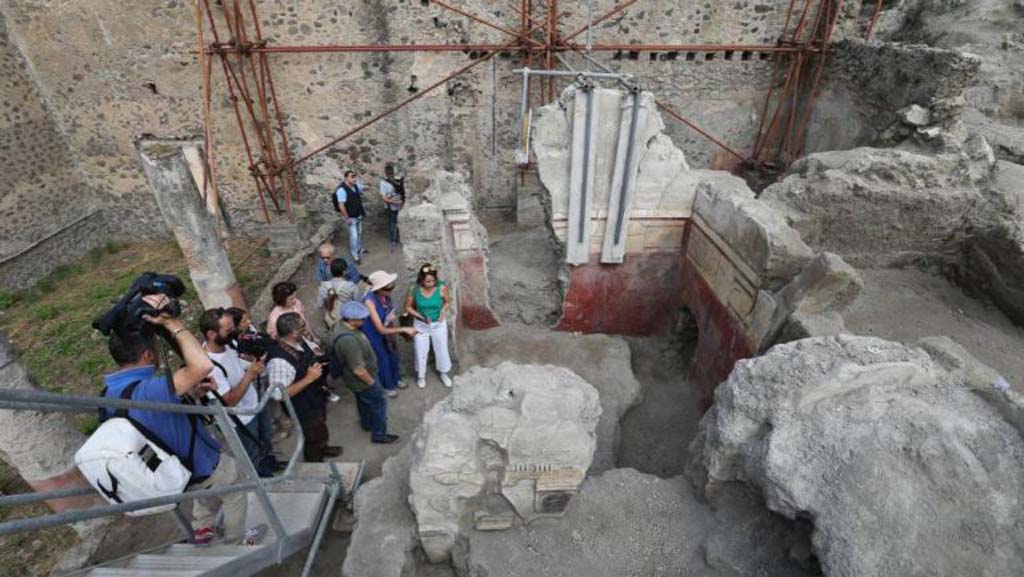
[[381, 279]]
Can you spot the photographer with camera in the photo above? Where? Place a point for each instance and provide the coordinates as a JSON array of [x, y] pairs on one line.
[[133, 324], [292, 364], [237, 382]]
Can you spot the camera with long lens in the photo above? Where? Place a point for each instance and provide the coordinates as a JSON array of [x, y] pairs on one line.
[[254, 344], [126, 316]]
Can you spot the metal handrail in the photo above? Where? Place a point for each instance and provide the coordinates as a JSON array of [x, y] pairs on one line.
[[27, 399]]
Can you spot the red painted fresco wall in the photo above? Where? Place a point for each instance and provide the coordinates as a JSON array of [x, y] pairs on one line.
[[643, 295], [639, 297], [474, 311]]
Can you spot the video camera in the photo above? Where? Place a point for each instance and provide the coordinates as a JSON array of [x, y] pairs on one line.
[[254, 344], [125, 317]]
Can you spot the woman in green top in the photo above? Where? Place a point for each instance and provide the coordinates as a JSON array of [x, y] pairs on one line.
[[428, 302]]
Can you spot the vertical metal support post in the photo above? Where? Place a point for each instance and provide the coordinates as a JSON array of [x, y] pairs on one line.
[[249, 470], [523, 153], [590, 34], [630, 147], [584, 185], [337, 488], [184, 523]]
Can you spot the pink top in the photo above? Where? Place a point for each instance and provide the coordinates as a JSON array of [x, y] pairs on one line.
[[278, 311]]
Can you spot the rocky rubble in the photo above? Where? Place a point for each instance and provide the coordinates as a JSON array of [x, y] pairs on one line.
[[625, 523], [604, 361], [508, 444], [906, 460]]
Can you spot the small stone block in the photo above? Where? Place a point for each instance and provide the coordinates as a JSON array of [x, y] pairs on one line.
[[495, 522]]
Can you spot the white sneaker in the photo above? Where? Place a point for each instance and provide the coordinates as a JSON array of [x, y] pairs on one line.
[[333, 398], [421, 383], [446, 380], [392, 394]]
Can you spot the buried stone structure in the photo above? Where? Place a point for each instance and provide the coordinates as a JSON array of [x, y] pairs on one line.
[[508, 444], [698, 239]]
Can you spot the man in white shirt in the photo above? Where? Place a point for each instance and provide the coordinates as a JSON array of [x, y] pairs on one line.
[[237, 384]]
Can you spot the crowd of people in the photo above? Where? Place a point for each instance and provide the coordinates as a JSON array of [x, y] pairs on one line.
[[237, 365]]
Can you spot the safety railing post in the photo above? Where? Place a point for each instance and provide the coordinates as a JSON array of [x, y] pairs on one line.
[[245, 464]]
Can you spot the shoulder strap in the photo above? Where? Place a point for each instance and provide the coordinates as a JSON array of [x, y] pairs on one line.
[[219, 366], [237, 421], [126, 394]]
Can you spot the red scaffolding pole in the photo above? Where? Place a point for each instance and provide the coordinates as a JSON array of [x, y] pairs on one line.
[[245, 62]]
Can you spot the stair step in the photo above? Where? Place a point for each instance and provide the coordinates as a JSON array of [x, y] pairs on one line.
[[180, 562], [126, 572], [187, 550]]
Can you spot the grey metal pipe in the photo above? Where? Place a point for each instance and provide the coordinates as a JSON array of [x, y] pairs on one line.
[[532, 72], [26, 399], [590, 28], [67, 517], [243, 462], [27, 498], [630, 146], [337, 486], [589, 91]]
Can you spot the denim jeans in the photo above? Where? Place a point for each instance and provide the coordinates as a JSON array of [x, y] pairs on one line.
[[393, 235], [355, 237], [373, 411]]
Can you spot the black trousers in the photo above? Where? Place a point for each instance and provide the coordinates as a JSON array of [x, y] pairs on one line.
[[314, 428]]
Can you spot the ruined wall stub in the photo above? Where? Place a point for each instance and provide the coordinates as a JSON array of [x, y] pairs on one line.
[[110, 80], [185, 214]]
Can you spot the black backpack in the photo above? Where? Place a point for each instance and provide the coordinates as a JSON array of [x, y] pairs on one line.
[[399, 184]]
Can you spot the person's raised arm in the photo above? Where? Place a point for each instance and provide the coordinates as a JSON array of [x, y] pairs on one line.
[[197, 364], [236, 393]]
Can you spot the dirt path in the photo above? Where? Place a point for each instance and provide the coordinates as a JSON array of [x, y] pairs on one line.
[[907, 304], [404, 412]]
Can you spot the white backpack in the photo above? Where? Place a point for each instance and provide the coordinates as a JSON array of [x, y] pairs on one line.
[[126, 462]]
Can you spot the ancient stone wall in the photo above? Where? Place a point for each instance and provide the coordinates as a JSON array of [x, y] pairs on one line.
[[112, 72], [42, 196], [868, 84], [66, 244]]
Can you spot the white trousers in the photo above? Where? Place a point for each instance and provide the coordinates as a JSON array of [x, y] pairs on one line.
[[435, 334]]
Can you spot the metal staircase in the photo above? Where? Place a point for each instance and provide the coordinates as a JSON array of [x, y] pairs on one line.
[[304, 506], [296, 506]]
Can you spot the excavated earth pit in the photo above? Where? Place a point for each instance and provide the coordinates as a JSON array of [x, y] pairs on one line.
[[743, 429]]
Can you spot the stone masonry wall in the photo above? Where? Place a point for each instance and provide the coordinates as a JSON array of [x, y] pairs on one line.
[[112, 72], [67, 244], [41, 190]]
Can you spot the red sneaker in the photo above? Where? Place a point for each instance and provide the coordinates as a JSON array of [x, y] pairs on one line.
[[204, 536]]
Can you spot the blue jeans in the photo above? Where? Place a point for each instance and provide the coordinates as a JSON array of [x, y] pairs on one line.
[[373, 411], [393, 227], [355, 237]]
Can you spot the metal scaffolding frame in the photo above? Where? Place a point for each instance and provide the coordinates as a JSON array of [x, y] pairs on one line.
[[799, 57]]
